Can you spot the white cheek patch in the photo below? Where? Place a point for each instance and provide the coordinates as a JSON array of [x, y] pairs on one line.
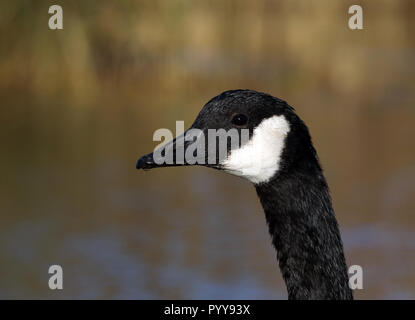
[[259, 159]]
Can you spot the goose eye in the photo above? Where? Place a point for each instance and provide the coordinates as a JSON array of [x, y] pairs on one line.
[[240, 119]]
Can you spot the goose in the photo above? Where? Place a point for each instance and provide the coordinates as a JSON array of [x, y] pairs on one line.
[[282, 164]]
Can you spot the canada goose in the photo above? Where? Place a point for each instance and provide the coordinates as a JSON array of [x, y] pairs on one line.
[[281, 162]]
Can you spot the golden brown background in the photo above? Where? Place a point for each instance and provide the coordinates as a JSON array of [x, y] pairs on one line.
[[79, 105]]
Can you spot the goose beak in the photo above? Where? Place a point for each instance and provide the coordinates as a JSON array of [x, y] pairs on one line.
[[148, 162], [145, 162], [169, 155]]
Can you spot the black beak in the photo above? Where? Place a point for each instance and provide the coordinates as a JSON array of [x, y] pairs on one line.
[[169, 155], [145, 162]]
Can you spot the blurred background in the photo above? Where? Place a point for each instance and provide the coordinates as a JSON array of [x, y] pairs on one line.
[[79, 105]]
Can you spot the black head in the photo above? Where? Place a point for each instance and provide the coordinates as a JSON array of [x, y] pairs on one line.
[[277, 139]]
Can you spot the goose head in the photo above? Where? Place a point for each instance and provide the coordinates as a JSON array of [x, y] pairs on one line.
[[273, 150], [269, 138]]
